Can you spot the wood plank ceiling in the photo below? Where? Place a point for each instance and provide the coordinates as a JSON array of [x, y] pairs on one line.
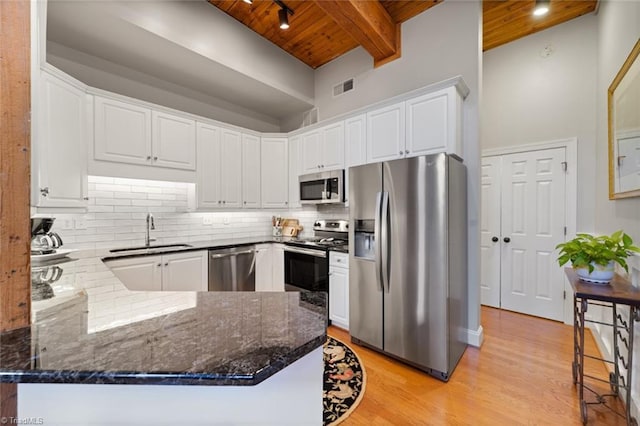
[[318, 34]]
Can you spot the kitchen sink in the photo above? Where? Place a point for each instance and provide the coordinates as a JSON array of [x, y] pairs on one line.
[[151, 247]]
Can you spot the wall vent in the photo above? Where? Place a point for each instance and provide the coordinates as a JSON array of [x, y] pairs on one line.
[[345, 86], [310, 117]]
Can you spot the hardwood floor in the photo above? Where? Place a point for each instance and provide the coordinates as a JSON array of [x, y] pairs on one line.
[[521, 375]]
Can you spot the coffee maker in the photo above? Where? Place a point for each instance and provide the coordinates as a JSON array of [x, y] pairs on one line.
[[43, 241]]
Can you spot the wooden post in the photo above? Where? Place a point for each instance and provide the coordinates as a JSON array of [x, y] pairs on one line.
[[15, 162]]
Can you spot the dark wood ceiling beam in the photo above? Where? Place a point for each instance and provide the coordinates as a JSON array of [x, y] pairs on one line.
[[369, 24]]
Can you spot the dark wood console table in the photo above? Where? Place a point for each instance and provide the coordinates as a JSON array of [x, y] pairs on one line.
[[617, 296]]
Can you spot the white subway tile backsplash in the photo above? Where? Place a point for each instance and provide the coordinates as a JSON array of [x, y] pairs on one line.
[[118, 208]]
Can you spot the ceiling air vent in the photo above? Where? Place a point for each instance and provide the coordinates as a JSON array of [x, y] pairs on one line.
[[343, 87]]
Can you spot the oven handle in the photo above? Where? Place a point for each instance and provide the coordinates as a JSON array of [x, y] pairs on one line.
[[315, 253]]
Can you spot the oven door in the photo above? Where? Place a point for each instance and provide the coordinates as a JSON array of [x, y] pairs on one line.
[[305, 269]]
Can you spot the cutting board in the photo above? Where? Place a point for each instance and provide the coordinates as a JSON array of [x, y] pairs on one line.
[[291, 227]]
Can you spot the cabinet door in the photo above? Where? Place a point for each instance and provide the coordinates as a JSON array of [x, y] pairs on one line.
[[185, 271], [122, 132], [385, 133], [60, 166], [274, 172], [355, 140], [311, 153], [250, 171], [139, 273], [208, 172], [294, 171], [333, 147], [264, 267], [278, 267], [231, 169], [430, 123], [339, 297], [174, 141]]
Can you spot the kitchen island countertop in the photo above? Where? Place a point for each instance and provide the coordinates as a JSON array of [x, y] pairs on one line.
[[94, 330]]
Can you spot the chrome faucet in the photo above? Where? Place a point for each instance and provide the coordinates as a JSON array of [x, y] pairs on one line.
[[150, 225]]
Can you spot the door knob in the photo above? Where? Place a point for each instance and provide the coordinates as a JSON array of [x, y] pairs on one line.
[[507, 240], [495, 239]]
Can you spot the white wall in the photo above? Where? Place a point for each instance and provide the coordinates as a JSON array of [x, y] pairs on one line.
[[440, 43], [102, 74], [530, 97], [619, 29]]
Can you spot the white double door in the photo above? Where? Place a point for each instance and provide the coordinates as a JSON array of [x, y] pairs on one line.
[[523, 218]]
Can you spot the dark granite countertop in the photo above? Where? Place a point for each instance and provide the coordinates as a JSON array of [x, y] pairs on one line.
[[89, 328]]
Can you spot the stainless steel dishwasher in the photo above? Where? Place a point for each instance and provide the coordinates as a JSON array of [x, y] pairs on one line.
[[232, 269]]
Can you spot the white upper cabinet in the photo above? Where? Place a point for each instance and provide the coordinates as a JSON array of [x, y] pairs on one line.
[[355, 140], [122, 132], [323, 149], [219, 173], [434, 123], [294, 171], [208, 172], [310, 144], [61, 134], [231, 169], [174, 141], [134, 134], [385, 133], [274, 171], [251, 171]]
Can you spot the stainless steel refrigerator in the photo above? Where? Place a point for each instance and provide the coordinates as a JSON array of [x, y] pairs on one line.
[[408, 260]]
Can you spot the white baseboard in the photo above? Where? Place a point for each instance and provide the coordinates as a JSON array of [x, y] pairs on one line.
[[475, 337]]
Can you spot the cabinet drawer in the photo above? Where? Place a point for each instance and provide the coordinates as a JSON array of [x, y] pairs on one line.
[[340, 260]]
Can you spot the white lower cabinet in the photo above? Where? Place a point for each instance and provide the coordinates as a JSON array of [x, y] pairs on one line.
[[269, 267], [264, 267], [187, 271], [278, 267], [339, 289]]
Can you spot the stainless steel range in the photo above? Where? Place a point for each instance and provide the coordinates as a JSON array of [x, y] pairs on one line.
[[306, 261]]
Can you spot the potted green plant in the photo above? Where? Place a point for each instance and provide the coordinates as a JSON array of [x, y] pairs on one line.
[[593, 257]]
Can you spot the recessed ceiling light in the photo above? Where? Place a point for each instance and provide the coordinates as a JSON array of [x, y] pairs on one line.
[[542, 8], [248, 1]]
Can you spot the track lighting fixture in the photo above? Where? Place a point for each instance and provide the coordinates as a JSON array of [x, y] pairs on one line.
[[283, 14], [541, 8]]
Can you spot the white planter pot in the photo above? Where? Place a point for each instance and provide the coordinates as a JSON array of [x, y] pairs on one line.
[[600, 275]]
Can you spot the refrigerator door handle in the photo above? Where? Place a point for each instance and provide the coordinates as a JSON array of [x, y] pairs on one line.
[[378, 241], [384, 243]]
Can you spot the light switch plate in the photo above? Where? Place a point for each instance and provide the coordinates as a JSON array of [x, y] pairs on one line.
[[81, 224], [65, 223], [207, 220], [225, 220]]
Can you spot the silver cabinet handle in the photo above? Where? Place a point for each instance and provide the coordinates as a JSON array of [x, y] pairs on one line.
[[245, 202], [155, 158], [44, 191], [407, 151], [159, 264], [166, 264], [401, 152], [224, 202], [148, 157]]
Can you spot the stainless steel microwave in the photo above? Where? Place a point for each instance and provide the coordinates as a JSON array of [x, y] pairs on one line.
[[322, 188]]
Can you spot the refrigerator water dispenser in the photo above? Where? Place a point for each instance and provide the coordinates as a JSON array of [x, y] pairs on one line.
[[365, 240]]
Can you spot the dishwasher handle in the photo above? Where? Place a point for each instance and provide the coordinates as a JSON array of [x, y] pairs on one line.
[[221, 255]]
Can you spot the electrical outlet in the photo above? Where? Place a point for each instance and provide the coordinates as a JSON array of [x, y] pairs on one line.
[[225, 220], [81, 224], [207, 220]]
